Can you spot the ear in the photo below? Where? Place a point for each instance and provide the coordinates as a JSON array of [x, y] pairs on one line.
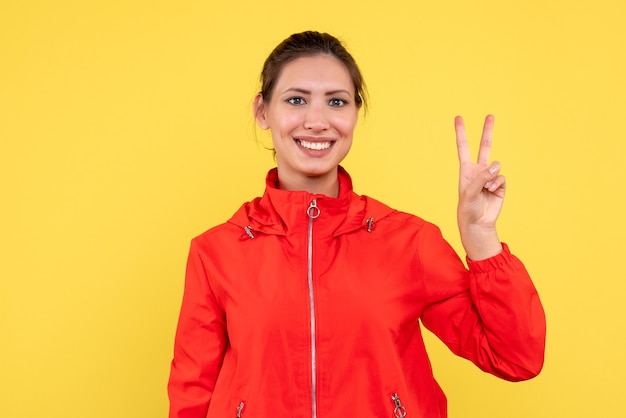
[[259, 111]]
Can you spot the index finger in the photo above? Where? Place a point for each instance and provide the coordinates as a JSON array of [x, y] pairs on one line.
[[461, 140], [485, 141]]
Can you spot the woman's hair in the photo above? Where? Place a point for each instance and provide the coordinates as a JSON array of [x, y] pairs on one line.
[[308, 44]]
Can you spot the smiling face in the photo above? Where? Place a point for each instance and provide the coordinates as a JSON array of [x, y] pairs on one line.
[[312, 115]]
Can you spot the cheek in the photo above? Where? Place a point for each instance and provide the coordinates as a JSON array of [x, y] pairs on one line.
[[285, 122], [346, 125]]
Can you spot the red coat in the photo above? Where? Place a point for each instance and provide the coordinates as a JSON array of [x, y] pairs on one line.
[[290, 315]]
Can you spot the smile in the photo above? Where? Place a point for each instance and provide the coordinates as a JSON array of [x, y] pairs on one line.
[[314, 145]]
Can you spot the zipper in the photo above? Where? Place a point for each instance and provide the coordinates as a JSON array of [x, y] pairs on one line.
[[399, 411], [312, 212], [240, 409]]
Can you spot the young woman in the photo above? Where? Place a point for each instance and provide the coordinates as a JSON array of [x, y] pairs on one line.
[[308, 301]]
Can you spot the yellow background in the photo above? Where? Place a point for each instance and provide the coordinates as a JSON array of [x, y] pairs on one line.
[[125, 129]]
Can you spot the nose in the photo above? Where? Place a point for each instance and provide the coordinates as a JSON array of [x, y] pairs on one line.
[[316, 118]]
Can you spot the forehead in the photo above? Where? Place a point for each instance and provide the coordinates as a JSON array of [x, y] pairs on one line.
[[318, 71]]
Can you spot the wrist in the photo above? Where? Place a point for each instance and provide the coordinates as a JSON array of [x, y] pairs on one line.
[[480, 242]]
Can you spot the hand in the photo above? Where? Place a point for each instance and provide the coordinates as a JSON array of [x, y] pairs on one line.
[[481, 194]]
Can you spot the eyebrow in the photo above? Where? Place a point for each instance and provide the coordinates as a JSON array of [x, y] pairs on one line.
[[305, 91]]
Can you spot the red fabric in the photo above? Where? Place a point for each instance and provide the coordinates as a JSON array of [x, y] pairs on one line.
[[244, 327]]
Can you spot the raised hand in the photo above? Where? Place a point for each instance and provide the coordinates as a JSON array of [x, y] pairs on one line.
[[481, 194]]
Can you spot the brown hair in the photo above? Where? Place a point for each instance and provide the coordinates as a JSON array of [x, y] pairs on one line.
[[307, 44]]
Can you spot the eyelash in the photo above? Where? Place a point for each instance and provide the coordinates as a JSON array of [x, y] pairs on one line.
[[335, 102]]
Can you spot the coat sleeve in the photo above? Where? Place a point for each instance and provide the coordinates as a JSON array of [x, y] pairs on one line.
[[200, 343], [490, 314]]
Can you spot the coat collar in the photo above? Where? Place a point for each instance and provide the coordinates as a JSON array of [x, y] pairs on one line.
[[282, 212]]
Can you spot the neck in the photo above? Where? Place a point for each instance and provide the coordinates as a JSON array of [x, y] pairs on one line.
[[327, 185]]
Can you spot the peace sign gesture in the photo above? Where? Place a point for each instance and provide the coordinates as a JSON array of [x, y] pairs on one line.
[[481, 194]]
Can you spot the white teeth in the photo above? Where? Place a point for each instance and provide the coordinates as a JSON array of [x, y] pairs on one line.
[[314, 145]]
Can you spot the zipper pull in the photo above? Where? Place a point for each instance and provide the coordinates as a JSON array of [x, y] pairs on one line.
[[239, 409], [248, 230], [313, 211], [399, 411]]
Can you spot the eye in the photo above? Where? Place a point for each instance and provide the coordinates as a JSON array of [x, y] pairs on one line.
[[296, 101], [337, 102]]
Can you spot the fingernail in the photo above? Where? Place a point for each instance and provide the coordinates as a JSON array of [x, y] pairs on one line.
[[493, 169], [488, 185]]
